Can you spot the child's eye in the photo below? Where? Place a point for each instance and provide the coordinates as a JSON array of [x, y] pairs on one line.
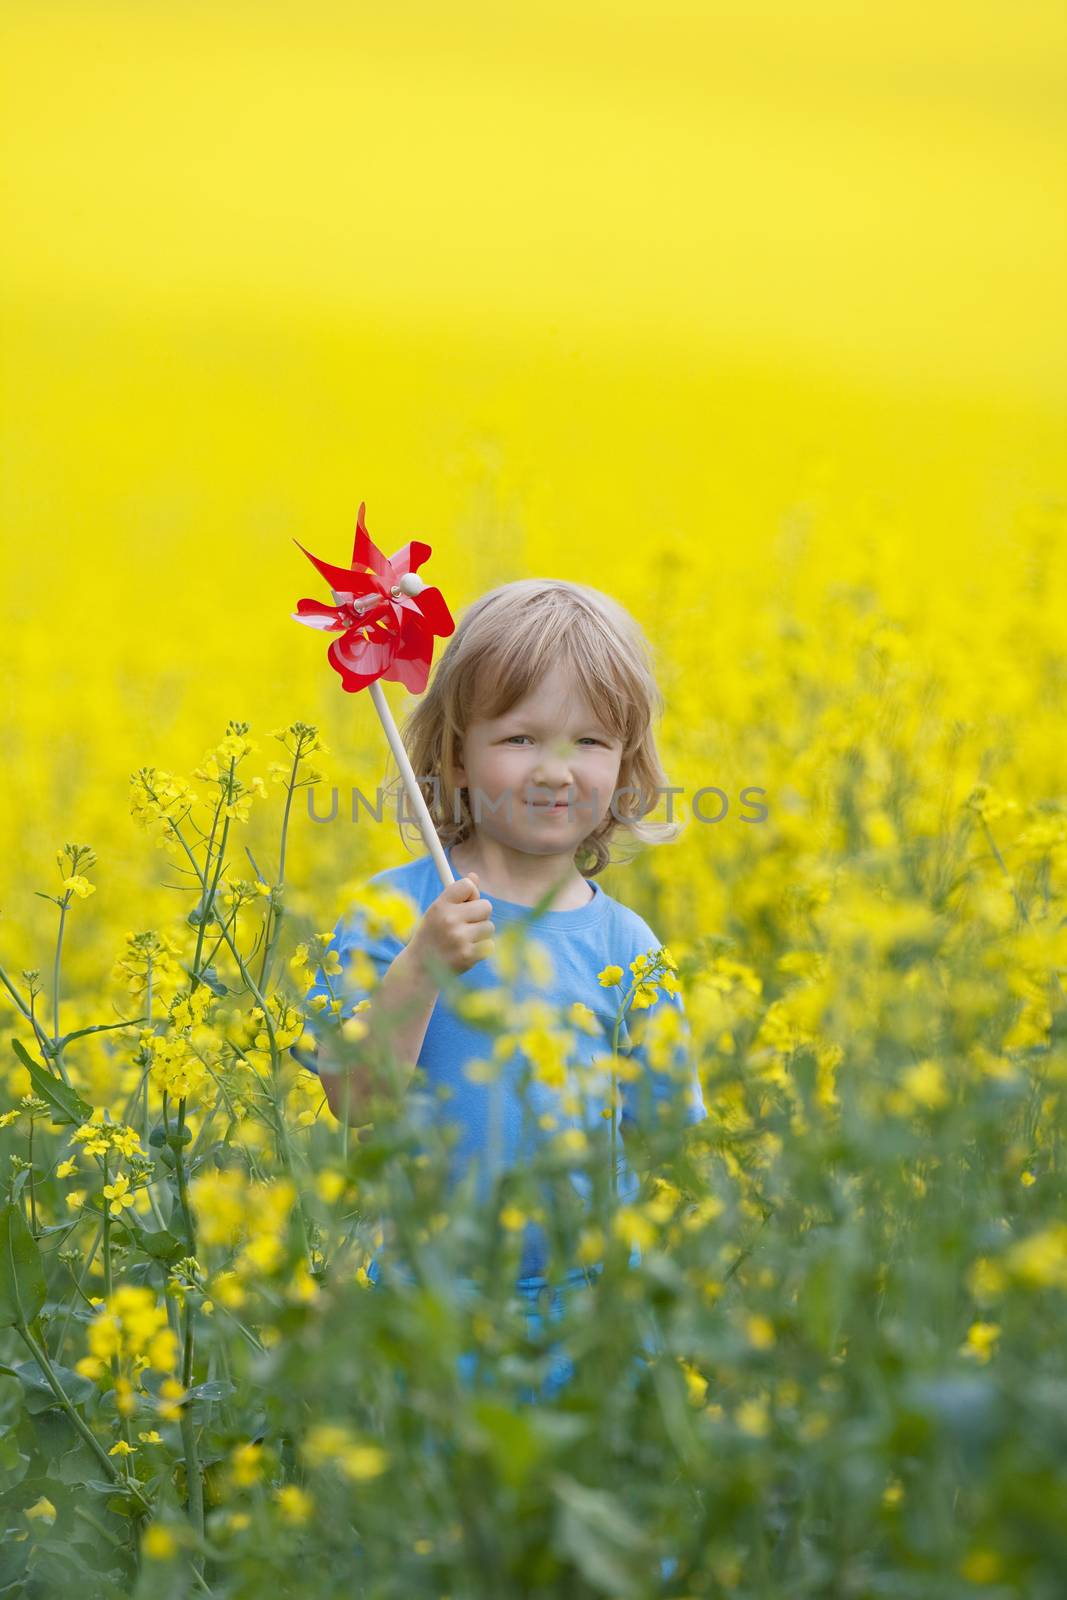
[[584, 739]]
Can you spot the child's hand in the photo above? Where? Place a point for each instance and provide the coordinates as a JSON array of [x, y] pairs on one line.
[[455, 927]]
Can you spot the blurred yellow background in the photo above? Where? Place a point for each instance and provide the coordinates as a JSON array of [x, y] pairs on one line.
[[753, 316]]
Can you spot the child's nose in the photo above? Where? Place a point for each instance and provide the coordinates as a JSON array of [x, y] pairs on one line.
[[553, 774]]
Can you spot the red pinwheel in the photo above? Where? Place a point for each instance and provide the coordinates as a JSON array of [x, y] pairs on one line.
[[388, 619], [388, 615]]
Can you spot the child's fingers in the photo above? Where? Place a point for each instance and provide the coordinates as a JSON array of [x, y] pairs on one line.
[[465, 888], [474, 905]]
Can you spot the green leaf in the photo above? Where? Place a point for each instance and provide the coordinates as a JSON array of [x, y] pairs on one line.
[[58, 1563], [55, 1437], [558, 1429], [213, 1389], [60, 1096], [598, 1535], [510, 1439], [100, 1563], [39, 1392], [22, 1284], [159, 1243], [14, 1465], [210, 979], [99, 1027]]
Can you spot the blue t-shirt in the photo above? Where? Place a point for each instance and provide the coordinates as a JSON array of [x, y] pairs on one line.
[[494, 1132]]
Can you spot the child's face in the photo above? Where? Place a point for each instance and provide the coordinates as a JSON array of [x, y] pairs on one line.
[[549, 747]]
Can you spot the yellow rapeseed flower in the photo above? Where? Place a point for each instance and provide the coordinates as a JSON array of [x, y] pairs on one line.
[[753, 1417], [158, 1542], [170, 1392], [330, 1184], [1040, 1261], [644, 995], [80, 885], [633, 1227], [118, 1194], [986, 1279], [925, 1084], [981, 1566], [590, 1245], [759, 1331], [246, 1463], [294, 1503], [386, 913], [695, 1381], [582, 1017], [981, 1340]]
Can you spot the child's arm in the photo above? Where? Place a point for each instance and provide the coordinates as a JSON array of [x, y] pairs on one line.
[[454, 933], [403, 1002]]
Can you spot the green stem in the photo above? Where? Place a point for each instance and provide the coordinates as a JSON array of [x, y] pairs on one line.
[[274, 921], [107, 1238], [241, 1327], [285, 815], [13, 992], [208, 1119], [183, 1189], [144, 1081], [214, 951], [268, 1021], [33, 1197], [55, 968], [91, 1253], [106, 1533], [109, 1287], [46, 1046], [40, 1355], [78, 1290], [615, 1089], [285, 1157], [1020, 904], [193, 1479], [205, 898]]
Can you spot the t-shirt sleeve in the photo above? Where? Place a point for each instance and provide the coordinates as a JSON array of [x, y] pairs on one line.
[[364, 959]]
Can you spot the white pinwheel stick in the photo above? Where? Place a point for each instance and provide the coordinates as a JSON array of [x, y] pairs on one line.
[[409, 584]]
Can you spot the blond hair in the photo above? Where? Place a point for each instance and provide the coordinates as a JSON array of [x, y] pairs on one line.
[[503, 646]]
